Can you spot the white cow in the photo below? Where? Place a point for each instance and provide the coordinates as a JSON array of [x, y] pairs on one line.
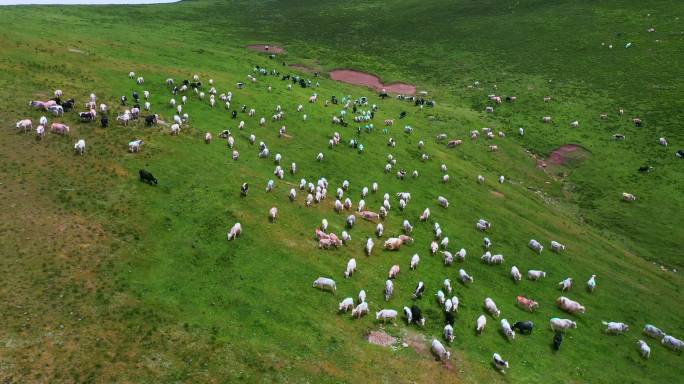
[[565, 284], [644, 349], [591, 283], [369, 246], [490, 306], [507, 330], [465, 277], [449, 333], [360, 310], [443, 201], [653, 331], [535, 275], [515, 274], [415, 259], [615, 328], [536, 246], [80, 146], [386, 314], [273, 213], [561, 324], [500, 364], [325, 284], [235, 231], [672, 342], [347, 304], [557, 247], [439, 350], [481, 324]]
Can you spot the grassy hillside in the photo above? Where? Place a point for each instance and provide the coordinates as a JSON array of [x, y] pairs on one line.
[[106, 279]]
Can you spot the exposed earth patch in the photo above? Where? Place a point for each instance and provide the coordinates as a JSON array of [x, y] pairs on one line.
[[366, 79]]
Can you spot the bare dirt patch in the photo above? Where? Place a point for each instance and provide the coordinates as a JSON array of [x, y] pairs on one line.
[[564, 155], [497, 194], [266, 48], [381, 338], [303, 68], [351, 76], [417, 342]]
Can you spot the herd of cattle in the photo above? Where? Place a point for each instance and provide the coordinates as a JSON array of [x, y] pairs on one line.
[[359, 110]]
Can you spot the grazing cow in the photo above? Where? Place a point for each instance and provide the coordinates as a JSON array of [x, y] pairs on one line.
[[662, 141], [56, 110], [637, 122], [135, 145], [561, 324], [386, 314], [628, 197], [59, 128], [439, 350], [680, 153], [449, 333], [454, 143], [653, 331], [557, 340], [536, 246], [346, 304], [523, 327], [506, 328], [644, 349], [672, 342], [535, 275], [207, 137], [417, 315], [546, 119], [25, 125], [557, 247], [146, 177], [490, 306], [394, 271], [235, 231], [151, 120], [368, 215], [325, 284], [369, 246], [235, 155], [104, 121], [515, 274], [447, 286], [175, 129], [461, 255], [80, 146], [614, 328], [481, 324], [574, 124], [389, 289], [465, 277], [440, 297], [360, 310], [570, 306], [434, 247], [443, 201], [272, 214], [362, 296], [527, 304], [418, 292], [244, 189], [40, 132], [566, 284]]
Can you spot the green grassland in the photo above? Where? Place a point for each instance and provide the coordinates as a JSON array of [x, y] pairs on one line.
[[105, 279]]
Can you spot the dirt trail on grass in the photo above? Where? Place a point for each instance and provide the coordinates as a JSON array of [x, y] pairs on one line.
[[266, 48]]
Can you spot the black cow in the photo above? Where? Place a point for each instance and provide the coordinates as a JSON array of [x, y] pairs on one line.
[[104, 121], [557, 340], [417, 315], [285, 77], [224, 134], [86, 116], [186, 82], [233, 114], [243, 108], [123, 100], [68, 105], [450, 318], [150, 120], [645, 169], [383, 95], [147, 177], [508, 99], [402, 114], [244, 188], [523, 327], [175, 90], [680, 153], [135, 95]]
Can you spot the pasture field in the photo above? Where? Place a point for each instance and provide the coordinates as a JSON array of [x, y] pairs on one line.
[[106, 279]]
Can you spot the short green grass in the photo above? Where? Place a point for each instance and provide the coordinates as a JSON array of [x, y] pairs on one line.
[[106, 279]]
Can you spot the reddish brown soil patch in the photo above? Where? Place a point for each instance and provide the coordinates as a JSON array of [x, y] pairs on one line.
[[366, 79], [266, 48], [381, 338], [565, 153], [417, 342]]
